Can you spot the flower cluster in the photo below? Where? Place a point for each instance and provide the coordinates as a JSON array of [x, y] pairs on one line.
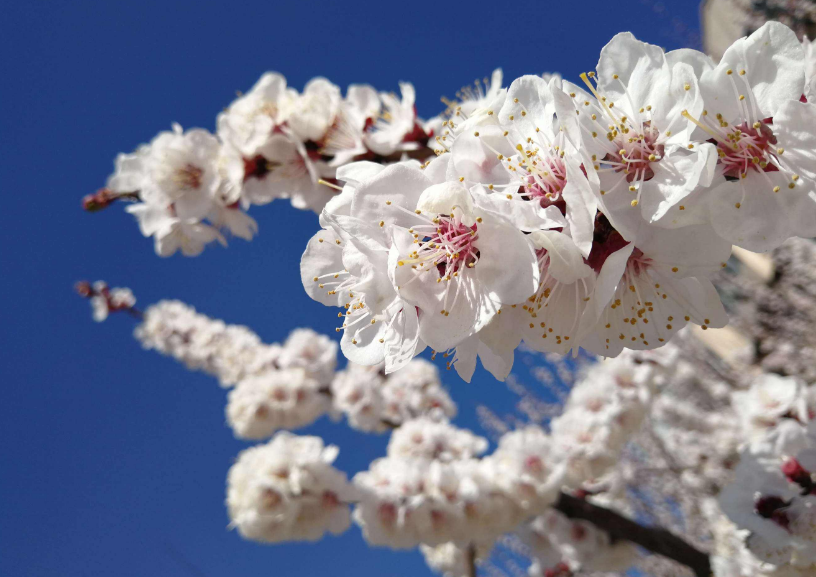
[[375, 402], [772, 400], [105, 300], [291, 385], [287, 489], [560, 545], [773, 494], [604, 409], [231, 353], [566, 216], [431, 489], [272, 142]]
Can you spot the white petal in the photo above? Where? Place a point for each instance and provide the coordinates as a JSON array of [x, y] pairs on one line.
[[639, 66], [773, 59], [676, 176], [398, 184], [476, 157], [507, 262], [566, 261], [322, 256], [444, 198], [401, 338]]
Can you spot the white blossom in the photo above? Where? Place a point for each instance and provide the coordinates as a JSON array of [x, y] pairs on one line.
[[769, 400], [527, 468], [408, 502], [426, 438], [105, 300], [774, 497], [372, 402], [313, 352], [278, 399], [450, 560], [764, 135], [287, 490], [557, 541]]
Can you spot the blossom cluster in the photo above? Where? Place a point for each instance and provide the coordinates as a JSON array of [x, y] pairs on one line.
[[374, 402], [105, 300], [291, 385], [288, 489], [604, 409], [566, 216], [560, 545], [433, 487], [773, 494], [272, 142]]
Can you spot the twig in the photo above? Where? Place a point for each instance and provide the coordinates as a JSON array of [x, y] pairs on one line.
[[470, 560], [655, 539]]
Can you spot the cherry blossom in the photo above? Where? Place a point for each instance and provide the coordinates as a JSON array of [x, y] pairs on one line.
[[763, 135], [287, 490]]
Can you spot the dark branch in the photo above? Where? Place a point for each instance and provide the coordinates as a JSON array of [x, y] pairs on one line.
[[654, 539], [470, 560]]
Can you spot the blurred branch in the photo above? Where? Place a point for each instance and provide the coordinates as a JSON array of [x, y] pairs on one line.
[[654, 539]]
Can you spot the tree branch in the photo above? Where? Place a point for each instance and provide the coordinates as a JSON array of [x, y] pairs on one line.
[[470, 560], [655, 539]]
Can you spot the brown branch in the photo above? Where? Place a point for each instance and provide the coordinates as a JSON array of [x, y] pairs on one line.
[[654, 539], [470, 560]]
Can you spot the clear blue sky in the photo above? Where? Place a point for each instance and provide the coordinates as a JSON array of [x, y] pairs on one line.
[[112, 460]]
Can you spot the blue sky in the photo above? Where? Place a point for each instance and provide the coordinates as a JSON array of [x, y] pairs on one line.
[[112, 460]]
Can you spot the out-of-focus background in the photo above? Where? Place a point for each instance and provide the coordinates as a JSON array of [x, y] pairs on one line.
[[113, 460]]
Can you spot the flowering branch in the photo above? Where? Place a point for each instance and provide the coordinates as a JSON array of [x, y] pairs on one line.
[[655, 539], [470, 560], [105, 300]]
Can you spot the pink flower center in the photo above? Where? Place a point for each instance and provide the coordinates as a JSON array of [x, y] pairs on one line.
[[451, 246], [749, 148], [635, 153], [189, 176], [606, 240], [258, 167], [773, 508], [387, 512], [548, 183]]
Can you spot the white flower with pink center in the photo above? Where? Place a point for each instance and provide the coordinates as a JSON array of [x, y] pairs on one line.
[[288, 490], [346, 265], [528, 468], [177, 173], [286, 399], [310, 115], [457, 263], [649, 289], [250, 121], [634, 128], [396, 128], [766, 143], [774, 496], [426, 438], [281, 168], [551, 172]]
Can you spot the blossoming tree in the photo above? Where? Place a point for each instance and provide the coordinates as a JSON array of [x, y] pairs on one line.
[[545, 216]]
